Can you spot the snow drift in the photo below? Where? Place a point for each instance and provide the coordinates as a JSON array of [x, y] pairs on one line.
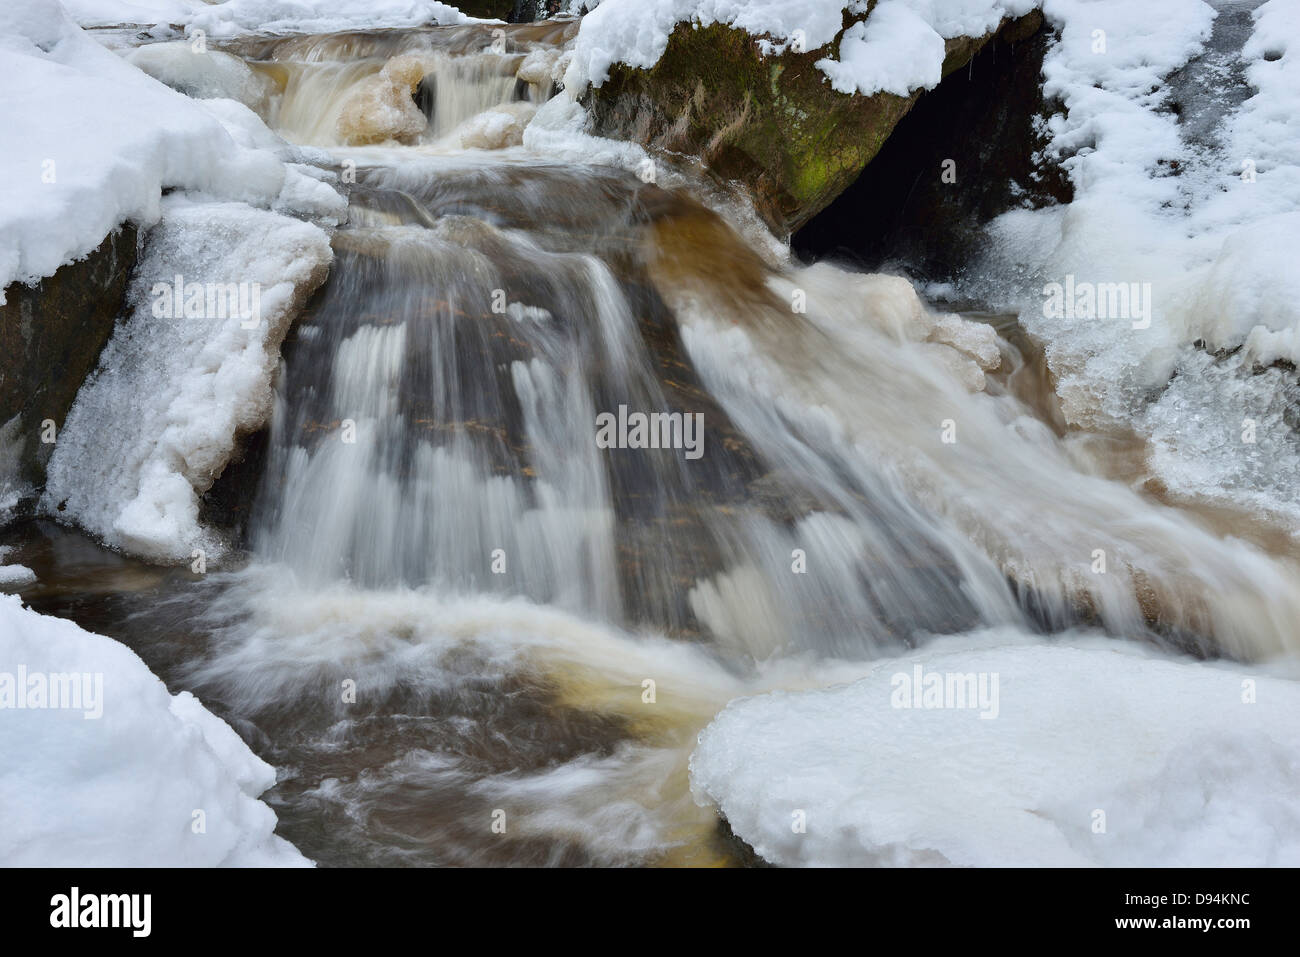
[[156, 780]]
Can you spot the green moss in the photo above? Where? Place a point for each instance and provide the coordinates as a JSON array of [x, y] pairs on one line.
[[774, 123]]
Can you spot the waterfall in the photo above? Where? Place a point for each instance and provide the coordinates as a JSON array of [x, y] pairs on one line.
[[459, 601]]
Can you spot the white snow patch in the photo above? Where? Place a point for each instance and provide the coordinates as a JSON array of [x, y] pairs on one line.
[[121, 790], [898, 47], [91, 142], [1185, 770]]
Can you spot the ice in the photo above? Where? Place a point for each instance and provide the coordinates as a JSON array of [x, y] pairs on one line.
[[158, 420], [1203, 203], [203, 73], [557, 132], [155, 780], [498, 128], [381, 108], [1182, 763]]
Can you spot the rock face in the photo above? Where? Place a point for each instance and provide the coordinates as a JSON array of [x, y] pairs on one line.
[[773, 123], [968, 151], [512, 11], [51, 335]]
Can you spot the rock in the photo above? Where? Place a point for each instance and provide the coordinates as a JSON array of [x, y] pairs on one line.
[[51, 335], [969, 150], [511, 11], [773, 123]]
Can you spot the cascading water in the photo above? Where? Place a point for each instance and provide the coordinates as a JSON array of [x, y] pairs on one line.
[[459, 603]]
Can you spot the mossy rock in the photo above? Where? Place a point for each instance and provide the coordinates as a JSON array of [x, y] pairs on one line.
[[773, 123]]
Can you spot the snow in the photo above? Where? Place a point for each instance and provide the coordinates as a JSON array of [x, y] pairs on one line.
[[92, 142], [98, 13], [894, 50], [898, 47], [157, 421], [1209, 220], [319, 16], [14, 576], [266, 16], [1185, 771], [122, 788], [156, 424]]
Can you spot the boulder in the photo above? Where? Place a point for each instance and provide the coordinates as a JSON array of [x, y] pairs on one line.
[[773, 123]]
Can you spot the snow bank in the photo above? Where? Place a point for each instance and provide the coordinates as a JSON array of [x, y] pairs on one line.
[[102, 13], [123, 788], [92, 142], [899, 47], [319, 16], [182, 375], [1203, 204], [1181, 768], [233, 17]]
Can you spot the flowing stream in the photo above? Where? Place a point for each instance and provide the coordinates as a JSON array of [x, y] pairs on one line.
[[458, 609]]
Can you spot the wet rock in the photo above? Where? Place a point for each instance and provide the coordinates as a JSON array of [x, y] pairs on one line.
[[773, 123], [51, 335]]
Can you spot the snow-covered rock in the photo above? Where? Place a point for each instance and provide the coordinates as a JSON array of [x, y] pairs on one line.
[[1202, 205], [14, 576], [91, 142], [132, 776], [1078, 752], [180, 380]]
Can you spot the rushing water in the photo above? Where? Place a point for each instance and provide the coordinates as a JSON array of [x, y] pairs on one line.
[[454, 598]]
